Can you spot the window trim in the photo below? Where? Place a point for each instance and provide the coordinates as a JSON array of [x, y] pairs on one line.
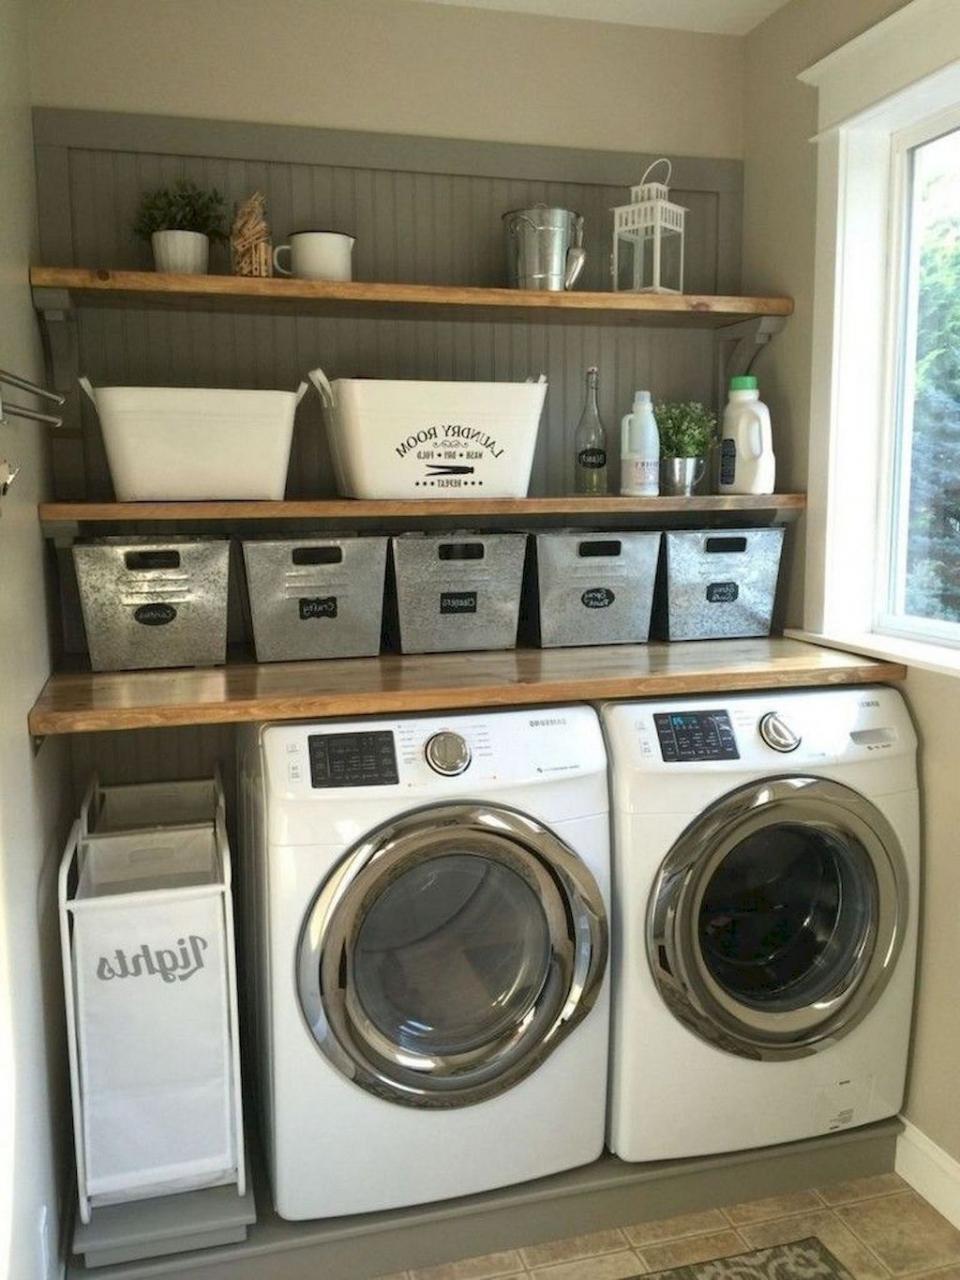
[[891, 79], [893, 491]]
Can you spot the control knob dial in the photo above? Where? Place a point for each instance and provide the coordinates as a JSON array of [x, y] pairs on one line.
[[777, 733], [447, 753]]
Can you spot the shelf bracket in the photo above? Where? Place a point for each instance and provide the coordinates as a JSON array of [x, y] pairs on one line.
[[738, 347], [61, 345]]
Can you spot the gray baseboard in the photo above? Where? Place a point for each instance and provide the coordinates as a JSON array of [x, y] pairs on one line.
[[608, 1193]]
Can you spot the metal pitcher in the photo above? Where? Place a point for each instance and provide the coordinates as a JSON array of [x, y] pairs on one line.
[[544, 248]]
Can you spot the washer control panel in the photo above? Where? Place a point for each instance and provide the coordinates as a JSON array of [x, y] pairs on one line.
[[447, 753], [696, 735], [365, 759]]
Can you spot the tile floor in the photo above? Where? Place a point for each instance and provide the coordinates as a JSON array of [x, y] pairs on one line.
[[877, 1227]]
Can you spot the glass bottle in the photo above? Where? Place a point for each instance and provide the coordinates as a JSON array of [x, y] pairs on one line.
[[590, 444]]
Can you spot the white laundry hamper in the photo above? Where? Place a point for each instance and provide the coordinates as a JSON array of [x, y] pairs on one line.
[[138, 806], [147, 939]]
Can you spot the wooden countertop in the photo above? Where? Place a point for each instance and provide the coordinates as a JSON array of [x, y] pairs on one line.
[[393, 683]]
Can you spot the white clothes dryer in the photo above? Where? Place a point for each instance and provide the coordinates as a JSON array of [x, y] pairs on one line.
[[766, 877], [428, 899]]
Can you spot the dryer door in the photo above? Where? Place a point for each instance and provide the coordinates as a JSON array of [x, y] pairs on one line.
[[777, 917], [450, 952]]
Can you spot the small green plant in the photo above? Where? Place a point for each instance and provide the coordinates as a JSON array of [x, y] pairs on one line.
[[183, 208], [687, 429]]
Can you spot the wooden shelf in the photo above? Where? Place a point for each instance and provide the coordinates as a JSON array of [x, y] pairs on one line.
[[152, 289], [781, 507], [397, 683]]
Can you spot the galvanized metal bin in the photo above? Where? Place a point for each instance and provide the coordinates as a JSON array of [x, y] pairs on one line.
[[458, 591], [148, 603], [718, 584], [316, 597], [595, 588]]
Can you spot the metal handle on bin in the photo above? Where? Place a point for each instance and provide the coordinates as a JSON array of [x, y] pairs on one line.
[[715, 546], [316, 555], [607, 547], [461, 551]]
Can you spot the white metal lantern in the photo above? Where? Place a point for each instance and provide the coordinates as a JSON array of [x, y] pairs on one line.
[[648, 238]]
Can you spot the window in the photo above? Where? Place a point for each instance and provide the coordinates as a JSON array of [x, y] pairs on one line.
[[919, 585], [882, 566]]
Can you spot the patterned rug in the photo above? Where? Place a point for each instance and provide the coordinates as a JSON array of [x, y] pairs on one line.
[[802, 1260]]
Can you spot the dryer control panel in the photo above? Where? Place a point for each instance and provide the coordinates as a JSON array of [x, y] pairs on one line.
[[361, 759], [696, 735]]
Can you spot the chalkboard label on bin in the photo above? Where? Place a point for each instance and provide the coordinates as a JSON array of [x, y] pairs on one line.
[[317, 607], [458, 602], [722, 592], [597, 598], [156, 614]]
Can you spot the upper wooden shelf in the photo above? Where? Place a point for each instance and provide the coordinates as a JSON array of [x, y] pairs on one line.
[[395, 683], [781, 507], [153, 289]]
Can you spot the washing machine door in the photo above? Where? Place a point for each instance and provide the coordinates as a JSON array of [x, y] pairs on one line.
[[450, 953], [777, 917]]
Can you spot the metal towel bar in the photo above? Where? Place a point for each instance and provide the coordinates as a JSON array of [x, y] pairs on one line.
[[9, 472], [21, 411], [24, 384]]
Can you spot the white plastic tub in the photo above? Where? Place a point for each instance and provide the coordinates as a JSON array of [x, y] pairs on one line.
[[196, 443], [409, 439]]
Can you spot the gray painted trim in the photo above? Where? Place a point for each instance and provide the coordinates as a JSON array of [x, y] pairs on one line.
[[296, 144], [53, 200], [606, 1194]]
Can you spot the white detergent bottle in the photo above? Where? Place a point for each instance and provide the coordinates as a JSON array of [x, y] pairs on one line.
[[640, 450], [747, 462]]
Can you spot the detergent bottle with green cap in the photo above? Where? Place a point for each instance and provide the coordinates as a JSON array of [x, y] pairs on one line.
[[747, 462]]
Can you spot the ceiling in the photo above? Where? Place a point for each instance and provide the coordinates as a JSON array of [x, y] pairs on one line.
[[722, 17]]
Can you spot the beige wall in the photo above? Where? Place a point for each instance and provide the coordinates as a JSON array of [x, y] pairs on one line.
[[932, 1099], [779, 227], [32, 1122], [394, 66]]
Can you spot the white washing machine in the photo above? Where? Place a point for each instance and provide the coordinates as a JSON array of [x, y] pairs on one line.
[[766, 876], [428, 899]]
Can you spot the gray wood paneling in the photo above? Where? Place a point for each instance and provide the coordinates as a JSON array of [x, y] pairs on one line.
[[422, 209]]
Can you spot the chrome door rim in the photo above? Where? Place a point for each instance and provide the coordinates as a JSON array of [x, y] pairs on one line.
[[685, 982], [576, 917]]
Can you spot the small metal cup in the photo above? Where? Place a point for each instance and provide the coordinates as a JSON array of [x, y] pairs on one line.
[[679, 477]]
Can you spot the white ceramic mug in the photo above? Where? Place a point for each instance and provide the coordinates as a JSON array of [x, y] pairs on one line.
[[317, 255]]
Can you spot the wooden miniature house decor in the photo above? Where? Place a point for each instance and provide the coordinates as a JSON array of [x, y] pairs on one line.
[[251, 252], [648, 238]]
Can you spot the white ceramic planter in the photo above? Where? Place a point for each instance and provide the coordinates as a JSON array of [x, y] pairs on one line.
[[185, 253]]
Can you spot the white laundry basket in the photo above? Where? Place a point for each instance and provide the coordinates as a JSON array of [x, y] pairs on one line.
[[146, 926], [395, 438], [196, 443], [138, 806]]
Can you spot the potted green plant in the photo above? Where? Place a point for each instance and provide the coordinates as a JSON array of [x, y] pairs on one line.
[[687, 432], [180, 222]]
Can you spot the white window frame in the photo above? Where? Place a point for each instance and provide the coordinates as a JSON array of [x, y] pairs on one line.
[[894, 488], [901, 76]]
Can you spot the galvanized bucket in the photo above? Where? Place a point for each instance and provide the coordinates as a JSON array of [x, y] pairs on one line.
[[316, 597], [595, 588], [458, 590], [154, 604], [719, 584], [544, 248]]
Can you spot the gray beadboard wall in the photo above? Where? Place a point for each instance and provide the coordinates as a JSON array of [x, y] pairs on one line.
[[423, 209], [426, 210]]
